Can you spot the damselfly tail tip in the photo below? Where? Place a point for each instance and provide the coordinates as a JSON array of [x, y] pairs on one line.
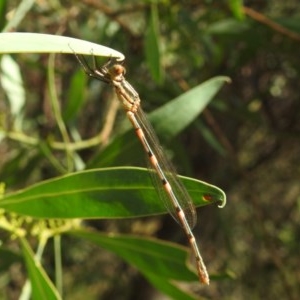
[[204, 278], [202, 273]]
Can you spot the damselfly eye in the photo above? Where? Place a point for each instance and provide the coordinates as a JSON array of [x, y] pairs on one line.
[[118, 70]]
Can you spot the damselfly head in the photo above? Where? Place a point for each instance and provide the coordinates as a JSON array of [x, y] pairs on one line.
[[117, 72]]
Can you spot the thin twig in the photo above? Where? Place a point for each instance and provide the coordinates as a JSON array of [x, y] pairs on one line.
[[268, 22]]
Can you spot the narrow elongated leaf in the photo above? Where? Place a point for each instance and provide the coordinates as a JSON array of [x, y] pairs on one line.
[[101, 193], [227, 26], [152, 46], [41, 285], [20, 12], [75, 96], [147, 254], [151, 257], [237, 8], [22, 42], [12, 83], [3, 5], [125, 150], [174, 116]]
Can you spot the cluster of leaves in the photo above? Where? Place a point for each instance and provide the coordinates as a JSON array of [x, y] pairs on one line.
[[97, 193], [63, 157]]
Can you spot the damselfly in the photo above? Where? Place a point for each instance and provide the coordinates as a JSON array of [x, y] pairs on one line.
[[168, 185]]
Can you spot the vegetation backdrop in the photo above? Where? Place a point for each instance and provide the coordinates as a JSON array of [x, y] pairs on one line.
[[246, 141]]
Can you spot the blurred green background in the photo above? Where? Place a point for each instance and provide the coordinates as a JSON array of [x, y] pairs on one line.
[[246, 141]]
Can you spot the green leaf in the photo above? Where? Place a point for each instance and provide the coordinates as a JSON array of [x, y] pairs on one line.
[[12, 83], [237, 8], [152, 46], [101, 193], [151, 257], [125, 150], [41, 285], [184, 109], [20, 12], [3, 6], [22, 42], [75, 95], [227, 26]]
